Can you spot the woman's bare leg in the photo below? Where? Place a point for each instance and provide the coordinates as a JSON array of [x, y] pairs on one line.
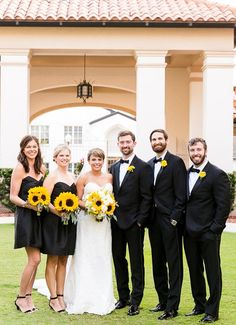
[[60, 276], [29, 272], [50, 275]]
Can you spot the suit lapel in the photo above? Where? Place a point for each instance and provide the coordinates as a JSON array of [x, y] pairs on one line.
[[117, 175], [132, 163], [167, 156], [200, 180], [188, 191]]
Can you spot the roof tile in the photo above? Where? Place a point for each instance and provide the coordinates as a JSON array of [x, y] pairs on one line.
[[117, 10]]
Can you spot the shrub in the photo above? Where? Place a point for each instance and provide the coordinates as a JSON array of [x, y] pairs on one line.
[[79, 166], [232, 179], [5, 179]]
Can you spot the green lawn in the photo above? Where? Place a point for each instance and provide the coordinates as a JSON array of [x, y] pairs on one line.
[[12, 262]]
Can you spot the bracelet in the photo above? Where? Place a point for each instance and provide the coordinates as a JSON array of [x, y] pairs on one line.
[[24, 205]]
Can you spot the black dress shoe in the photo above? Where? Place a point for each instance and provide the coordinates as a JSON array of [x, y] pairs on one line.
[[195, 312], [159, 307], [208, 319], [133, 310], [121, 304], [168, 315]]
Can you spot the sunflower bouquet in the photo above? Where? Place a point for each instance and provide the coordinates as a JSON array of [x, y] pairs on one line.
[[39, 197], [67, 204], [101, 204]]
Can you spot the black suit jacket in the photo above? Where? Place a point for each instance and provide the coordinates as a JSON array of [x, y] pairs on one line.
[[134, 196], [208, 205], [170, 187]]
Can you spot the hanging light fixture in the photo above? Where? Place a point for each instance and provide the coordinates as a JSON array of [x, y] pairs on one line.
[[84, 89]]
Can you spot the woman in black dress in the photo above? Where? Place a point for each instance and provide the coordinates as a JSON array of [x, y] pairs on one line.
[[28, 173], [58, 239]]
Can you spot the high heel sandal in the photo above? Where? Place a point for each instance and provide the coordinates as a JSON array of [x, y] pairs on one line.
[[61, 296], [57, 311], [19, 307], [33, 308]]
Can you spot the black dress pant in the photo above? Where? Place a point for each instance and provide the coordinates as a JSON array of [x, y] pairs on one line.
[[134, 237], [167, 260], [200, 252]]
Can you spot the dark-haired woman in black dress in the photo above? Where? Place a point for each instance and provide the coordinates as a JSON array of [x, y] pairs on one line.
[[28, 173], [58, 239]]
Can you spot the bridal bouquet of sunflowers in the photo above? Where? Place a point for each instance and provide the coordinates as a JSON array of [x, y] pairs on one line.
[[101, 204], [39, 197], [67, 204]]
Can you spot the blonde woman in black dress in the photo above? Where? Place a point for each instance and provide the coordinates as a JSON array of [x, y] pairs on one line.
[[58, 239], [28, 173]]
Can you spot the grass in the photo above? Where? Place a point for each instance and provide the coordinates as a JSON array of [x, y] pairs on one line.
[[12, 262]]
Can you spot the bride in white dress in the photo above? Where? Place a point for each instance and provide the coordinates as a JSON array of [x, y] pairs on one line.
[[88, 285]]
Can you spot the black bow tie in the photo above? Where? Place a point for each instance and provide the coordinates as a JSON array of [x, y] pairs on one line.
[[123, 161], [194, 170], [155, 160]]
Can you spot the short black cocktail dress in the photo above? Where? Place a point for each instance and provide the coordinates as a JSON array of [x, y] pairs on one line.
[[58, 239], [28, 226]]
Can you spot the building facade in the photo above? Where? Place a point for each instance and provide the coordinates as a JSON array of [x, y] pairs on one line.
[[171, 66], [82, 128]]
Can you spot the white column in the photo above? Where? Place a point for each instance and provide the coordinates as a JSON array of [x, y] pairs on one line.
[[14, 105], [218, 107], [195, 103], [150, 98]]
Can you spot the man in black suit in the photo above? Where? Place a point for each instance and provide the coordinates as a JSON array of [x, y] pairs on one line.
[[207, 209], [132, 188], [169, 195]]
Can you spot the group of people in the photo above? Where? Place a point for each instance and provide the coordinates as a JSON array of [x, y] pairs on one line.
[[172, 202]]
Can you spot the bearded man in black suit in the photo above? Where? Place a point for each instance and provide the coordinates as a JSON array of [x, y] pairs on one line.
[[132, 186], [165, 228], [207, 209]]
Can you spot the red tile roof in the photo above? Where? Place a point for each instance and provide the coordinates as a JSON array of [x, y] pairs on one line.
[[161, 11]]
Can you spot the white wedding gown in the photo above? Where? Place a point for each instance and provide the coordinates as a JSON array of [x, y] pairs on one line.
[[88, 285]]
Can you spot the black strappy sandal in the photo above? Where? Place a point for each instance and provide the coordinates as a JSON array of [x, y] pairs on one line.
[[29, 295], [57, 311], [19, 307], [61, 296]]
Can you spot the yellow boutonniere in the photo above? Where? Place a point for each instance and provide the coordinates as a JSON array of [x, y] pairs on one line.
[[163, 163], [202, 174], [131, 169]]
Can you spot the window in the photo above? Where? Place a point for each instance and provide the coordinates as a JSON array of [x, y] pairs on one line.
[[41, 132], [111, 161], [74, 133], [70, 167]]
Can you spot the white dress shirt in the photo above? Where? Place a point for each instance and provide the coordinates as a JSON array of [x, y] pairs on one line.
[[193, 176], [124, 167], [157, 166]]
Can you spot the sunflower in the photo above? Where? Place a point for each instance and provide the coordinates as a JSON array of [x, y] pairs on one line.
[[94, 203], [111, 208], [58, 203], [66, 201], [93, 197], [97, 204], [33, 198], [100, 204], [38, 195], [68, 204]]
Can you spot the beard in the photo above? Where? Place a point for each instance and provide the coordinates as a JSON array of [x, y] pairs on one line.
[[127, 151], [198, 160], [159, 148]]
